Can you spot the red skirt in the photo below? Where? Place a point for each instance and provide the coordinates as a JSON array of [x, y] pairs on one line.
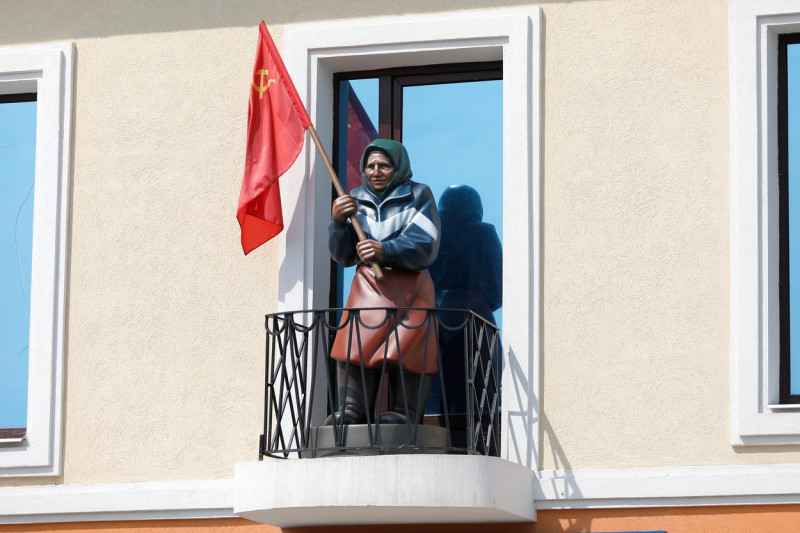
[[411, 344]]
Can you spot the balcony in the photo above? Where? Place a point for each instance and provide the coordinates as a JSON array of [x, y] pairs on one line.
[[371, 442]]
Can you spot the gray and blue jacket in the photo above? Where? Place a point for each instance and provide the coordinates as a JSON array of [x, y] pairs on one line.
[[405, 221]]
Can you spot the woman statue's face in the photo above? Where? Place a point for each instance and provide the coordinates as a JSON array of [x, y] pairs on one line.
[[379, 170]]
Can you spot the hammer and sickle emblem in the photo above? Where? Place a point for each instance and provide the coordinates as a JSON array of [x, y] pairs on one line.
[[261, 87]]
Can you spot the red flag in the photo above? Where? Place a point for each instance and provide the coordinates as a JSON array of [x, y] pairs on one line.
[[276, 125]]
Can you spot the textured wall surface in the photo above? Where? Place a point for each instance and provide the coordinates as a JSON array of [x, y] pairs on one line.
[[635, 223], [165, 341], [635, 219], [165, 315]]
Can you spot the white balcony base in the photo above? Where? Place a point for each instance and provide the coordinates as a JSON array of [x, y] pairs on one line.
[[397, 489]]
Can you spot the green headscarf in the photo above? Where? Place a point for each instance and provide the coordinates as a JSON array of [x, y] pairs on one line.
[[397, 155]]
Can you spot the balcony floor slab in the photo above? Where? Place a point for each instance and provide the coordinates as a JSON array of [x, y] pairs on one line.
[[384, 489]]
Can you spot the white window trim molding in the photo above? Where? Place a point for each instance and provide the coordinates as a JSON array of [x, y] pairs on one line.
[[754, 26], [48, 71], [314, 51]]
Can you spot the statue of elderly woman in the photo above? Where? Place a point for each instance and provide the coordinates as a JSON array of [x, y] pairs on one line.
[[401, 223]]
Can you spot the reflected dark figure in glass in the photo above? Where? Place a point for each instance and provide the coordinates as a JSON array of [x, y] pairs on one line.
[[468, 274], [401, 223]]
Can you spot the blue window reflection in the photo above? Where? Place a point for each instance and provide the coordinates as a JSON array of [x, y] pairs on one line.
[[793, 152], [453, 134], [17, 166]]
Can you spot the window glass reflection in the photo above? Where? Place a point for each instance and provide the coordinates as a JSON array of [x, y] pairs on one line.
[[468, 274], [453, 133], [358, 106], [17, 160], [793, 122]]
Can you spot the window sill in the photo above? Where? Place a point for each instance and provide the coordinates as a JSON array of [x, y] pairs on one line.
[[784, 407], [399, 489], [12, 436]]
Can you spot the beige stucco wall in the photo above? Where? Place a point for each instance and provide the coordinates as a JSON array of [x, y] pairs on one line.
[[165, 341], [165, 336], [635, 322], [636, 252]]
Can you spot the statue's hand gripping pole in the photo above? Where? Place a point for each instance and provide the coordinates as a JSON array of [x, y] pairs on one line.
[[340, 192]]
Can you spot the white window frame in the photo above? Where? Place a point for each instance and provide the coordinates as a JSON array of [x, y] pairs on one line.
[[46, 70], [756, 416], [313, 52]]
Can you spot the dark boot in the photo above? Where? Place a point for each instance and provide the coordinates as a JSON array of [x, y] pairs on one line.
[[411, 408], [354, 397]]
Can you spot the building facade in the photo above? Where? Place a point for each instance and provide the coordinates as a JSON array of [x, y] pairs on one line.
[[641, 297]]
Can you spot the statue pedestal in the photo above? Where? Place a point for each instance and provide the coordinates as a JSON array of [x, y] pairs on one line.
[[383, 439]]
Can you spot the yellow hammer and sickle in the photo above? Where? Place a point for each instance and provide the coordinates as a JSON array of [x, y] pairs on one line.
[[261, 87]]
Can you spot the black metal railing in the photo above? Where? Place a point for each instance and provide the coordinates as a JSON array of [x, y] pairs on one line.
[[304, 414]]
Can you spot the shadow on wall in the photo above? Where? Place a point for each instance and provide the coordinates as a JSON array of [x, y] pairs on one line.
[[27, 21], [521, 411], [571, 489], [553, 523]]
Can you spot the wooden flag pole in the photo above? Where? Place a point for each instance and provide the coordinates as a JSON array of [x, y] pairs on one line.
[[340, 192]]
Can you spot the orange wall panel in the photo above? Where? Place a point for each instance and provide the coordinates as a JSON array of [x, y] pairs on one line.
[[739, 519]]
